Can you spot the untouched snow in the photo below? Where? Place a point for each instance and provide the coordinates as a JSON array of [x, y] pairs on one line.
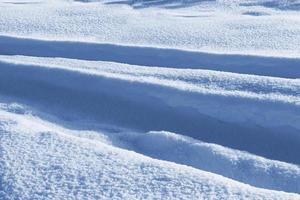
[[95, 80], [210, 26], [138, 99], [60, 165], [160, 57]]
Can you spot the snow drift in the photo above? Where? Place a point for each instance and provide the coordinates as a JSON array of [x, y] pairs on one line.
[[151, 99], [179, 100], [61, 164]]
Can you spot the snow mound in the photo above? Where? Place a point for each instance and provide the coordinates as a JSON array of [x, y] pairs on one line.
[[40, 160], [236, 165]]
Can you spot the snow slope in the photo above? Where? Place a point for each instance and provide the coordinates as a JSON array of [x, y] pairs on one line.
[[61, 165], [150, 99]]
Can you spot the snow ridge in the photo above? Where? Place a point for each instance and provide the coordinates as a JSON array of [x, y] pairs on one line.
[[149, 99]]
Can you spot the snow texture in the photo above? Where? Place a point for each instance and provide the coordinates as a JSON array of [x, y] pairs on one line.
[[138, 99]]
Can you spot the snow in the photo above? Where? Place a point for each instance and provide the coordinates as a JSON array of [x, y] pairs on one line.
[[160, 57], [41, 160], [216, 26], [150, 99]]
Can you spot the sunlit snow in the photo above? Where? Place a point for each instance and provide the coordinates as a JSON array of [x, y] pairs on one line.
[[137, 99]]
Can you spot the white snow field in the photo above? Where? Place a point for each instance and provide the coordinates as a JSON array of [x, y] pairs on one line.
[[149, 99]]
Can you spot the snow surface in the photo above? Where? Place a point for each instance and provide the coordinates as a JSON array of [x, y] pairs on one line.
[[41, 160], [138, 99], [210, 26]]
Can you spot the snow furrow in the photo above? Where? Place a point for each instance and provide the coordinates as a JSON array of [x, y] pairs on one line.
[[147, 56], [286, 90], [143, 103]]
